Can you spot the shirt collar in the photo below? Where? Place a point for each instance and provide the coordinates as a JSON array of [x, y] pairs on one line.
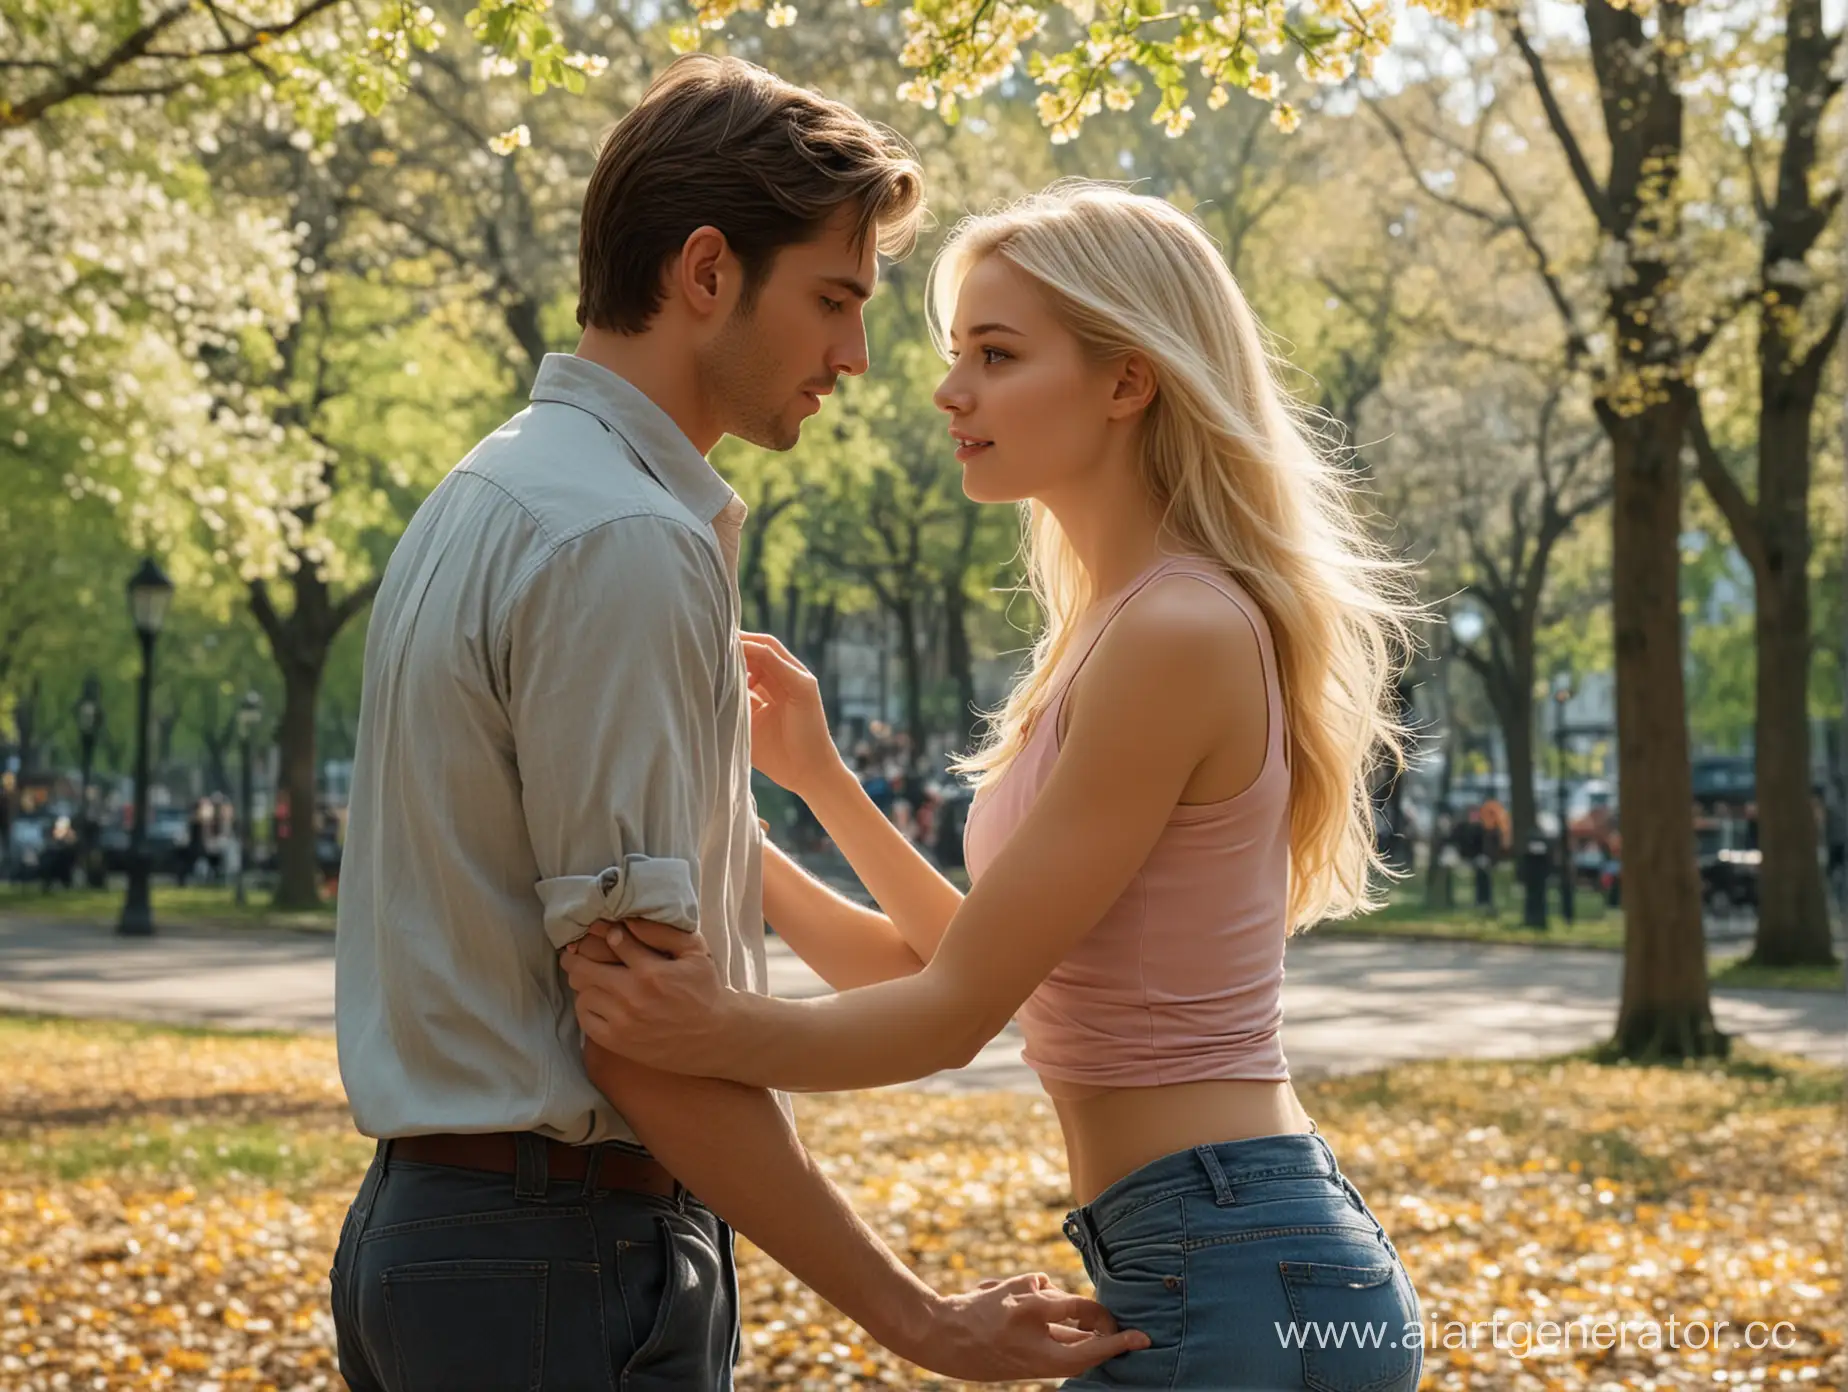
[[669, 454]]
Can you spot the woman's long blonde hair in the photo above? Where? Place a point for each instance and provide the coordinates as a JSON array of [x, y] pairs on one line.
[[1232, 459]]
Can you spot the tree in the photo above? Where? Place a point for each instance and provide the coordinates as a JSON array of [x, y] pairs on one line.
[[1438, 346], [323, 57], [1799, 316], [1640, 367], [1502, 498], [116, 273], [1645, 405], [327, 432], [498, 215], [963, 48]]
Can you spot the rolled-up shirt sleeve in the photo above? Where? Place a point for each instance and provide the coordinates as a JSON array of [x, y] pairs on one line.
[[617, 650]]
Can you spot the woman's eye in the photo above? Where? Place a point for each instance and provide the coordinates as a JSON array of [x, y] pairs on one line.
[[991, 356]]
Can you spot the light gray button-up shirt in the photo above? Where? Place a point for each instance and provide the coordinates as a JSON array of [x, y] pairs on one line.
[[553, 730]]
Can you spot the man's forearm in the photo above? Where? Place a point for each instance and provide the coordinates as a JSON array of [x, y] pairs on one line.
[[763, 1182], [846, 944], [918, 900]]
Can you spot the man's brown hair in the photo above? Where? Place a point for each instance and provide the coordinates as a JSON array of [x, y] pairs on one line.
[[719, 142]]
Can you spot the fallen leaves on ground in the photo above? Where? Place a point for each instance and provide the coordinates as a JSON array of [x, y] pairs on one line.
[[169, 1203]]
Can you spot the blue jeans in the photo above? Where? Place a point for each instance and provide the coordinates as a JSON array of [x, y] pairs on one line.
[[1250, 1264], [455, 1280]]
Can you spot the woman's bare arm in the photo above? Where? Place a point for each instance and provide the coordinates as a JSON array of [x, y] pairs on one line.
[[847, 945], [916, 897]]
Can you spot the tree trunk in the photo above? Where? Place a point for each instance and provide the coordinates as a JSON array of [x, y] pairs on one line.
[[790, 627], [522, 318], [1665, 1011], [816, 651], [217, 772], [905, 611], [1446, 772], [298, 883], [299, 644], [216, 735], [26, 725], [1793, 916], [960, 660], [1515, 709]]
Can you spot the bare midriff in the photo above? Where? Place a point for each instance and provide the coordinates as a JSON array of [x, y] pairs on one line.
[[1113, 1132]]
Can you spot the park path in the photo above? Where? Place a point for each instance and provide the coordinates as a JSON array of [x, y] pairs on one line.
[[1349, 1004]]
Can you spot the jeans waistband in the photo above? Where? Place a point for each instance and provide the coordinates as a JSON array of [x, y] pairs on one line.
[[532, 1182], [1216, 1169]]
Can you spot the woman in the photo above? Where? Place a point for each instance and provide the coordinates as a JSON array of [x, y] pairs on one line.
[[1178, 780]]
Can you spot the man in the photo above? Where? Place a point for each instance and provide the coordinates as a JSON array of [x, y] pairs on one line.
[[554, 731]]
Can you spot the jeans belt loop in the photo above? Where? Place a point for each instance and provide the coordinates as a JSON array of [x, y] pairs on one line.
[[369, 1187], [591, 1161], [1215, 1172], [1081, 1230], [530, 1175]]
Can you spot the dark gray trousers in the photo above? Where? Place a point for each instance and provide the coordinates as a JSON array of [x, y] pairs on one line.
[[454, 1280]]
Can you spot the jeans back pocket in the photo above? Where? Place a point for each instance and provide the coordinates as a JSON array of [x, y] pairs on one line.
[[467, 1326], [1351, 1323]]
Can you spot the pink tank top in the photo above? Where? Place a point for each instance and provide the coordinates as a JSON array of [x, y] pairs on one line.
[[1181, 981]]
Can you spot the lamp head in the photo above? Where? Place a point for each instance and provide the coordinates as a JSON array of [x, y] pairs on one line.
[[249, 712], [150, 593]]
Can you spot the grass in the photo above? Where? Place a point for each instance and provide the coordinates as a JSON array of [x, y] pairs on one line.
[[207, 1155], [1744, 975], [1596, 927], [203, 906], [1604, 933], [1406, 914]]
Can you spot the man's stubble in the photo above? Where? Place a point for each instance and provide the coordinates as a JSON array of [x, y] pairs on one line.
[[739, 374]]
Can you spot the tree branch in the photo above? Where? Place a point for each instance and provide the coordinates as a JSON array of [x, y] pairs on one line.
[[136, 47], [1820, 350], [1578, 350], [355, 601], [1741, 516], [1595, 196], [1760, 204], [267, 618], [260, 33], [1461, 205], [87, 79]]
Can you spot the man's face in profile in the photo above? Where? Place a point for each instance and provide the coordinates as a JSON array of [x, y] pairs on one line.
[[777, 357]]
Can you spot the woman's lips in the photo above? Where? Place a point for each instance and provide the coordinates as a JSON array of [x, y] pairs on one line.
[[968, 447]]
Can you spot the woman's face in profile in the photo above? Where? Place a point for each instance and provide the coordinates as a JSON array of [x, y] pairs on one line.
[[1026, 406]]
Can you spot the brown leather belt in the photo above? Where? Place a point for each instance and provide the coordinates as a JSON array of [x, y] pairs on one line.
[[498, 1151]]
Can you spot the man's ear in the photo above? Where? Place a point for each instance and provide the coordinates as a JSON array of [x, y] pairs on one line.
[[706, 274], [1135, 386]]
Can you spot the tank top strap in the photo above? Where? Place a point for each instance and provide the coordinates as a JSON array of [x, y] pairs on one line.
[[1276, 745], [1267, 655], [1129, 592]]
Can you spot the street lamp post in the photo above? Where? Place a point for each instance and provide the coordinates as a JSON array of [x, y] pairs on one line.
[[249, 712], [89, 721], [149, 594], [1562, 693]]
